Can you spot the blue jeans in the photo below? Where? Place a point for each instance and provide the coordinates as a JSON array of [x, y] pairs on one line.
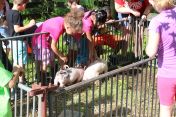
[[83, 52]]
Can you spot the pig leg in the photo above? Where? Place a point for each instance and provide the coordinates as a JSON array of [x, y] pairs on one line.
[[61, 85], [79, 79], [97, 83]]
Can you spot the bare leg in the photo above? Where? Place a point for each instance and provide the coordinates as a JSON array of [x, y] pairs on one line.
[[165, 111]]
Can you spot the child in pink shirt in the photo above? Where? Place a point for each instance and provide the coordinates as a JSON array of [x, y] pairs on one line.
[[94, 19], [45, 45]]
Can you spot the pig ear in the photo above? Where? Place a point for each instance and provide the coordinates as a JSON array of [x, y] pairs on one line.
[[66, 67], [85, 67]]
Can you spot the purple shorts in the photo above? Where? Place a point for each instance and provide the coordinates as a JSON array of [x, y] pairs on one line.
[[166, 90], [45, 55]]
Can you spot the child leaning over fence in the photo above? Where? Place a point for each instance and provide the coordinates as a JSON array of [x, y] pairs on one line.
[[16, 28], [45, 45], [7, 80], [161, 41], [85, 52], [95, 19]]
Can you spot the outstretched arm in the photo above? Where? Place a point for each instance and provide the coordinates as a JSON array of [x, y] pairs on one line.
[[146, 12], [59, 55], [19, 28], [91, 47], [125, 10]]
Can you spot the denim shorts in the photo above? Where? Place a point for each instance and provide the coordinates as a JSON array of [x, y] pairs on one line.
[[19, 52], [83, 52]]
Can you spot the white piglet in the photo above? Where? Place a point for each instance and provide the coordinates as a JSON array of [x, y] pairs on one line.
[[68, 76], [95, 69]]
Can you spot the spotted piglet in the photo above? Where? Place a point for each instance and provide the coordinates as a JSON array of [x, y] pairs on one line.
[[68, 76]]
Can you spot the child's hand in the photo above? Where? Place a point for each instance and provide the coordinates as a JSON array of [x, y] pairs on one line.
[[144, 17], [64, 59], [32, 23], [6, 42], [18, 70]]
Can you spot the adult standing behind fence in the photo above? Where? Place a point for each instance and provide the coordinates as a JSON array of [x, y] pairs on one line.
[[162, 41], [16, 28], [95, 20], [85, 52], [7, 80], [136, 8]]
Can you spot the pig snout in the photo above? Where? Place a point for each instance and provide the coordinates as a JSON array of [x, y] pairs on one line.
[[60, 78]]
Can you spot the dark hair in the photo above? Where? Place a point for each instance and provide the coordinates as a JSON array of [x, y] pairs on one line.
[[101, 15], [108, 11]]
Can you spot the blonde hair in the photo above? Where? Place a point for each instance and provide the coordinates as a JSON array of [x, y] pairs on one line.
[[74, 19], [18, 2], [161, 5]]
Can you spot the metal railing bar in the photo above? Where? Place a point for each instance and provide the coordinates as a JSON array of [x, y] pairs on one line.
[[105, 96], [86, 113], [93, 98], [22, 36], [99, 98], [111, 100], [122, 95], [145, 89], [132, 93], [24, 87], [127, 93], [117, 83], [149, 93], [141, 85]]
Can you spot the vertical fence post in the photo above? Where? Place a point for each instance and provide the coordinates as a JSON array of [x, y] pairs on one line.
[[39, 105], [44, 98], [42, 91]]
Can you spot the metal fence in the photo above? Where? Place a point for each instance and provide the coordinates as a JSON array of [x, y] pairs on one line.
[[129, 91]]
